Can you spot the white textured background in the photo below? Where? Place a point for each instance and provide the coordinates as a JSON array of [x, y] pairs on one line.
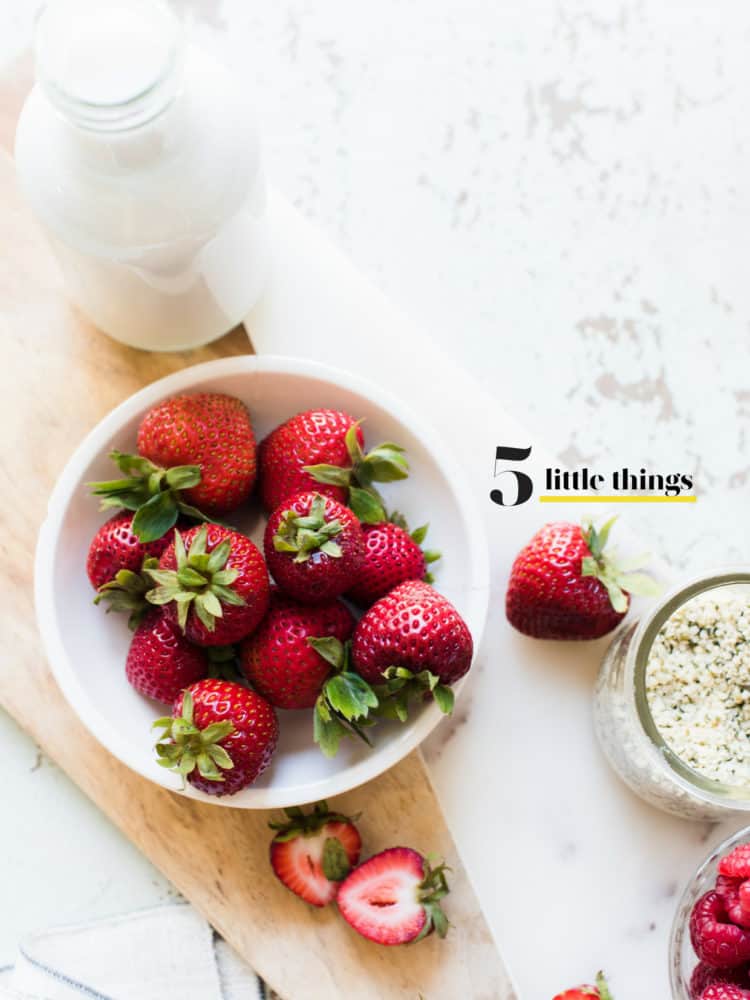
[[561, 193]]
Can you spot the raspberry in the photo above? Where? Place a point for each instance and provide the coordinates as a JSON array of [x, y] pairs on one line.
[[705, 975], [736, 864], [733, 890], [724, 991], [715, 940]]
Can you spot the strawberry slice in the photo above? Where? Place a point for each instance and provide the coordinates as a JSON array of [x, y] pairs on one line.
[[395, 897], [311, 853]]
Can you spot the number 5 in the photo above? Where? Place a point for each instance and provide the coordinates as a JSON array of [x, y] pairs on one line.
[[523, 485]]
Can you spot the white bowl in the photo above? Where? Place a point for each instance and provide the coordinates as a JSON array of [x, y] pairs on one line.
[[87, 648]]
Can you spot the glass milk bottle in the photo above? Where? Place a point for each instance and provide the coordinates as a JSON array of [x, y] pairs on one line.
[[138, 154]]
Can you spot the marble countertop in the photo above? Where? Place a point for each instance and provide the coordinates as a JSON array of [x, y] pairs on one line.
[[556, 192]]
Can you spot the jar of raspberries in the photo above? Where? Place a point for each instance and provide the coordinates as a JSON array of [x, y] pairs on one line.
[[672, 702], [709, 952]]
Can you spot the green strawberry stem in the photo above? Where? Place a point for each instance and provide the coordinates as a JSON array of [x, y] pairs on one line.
[[615, 577], [433, 888], [603, 987], [183, 747], [127, 592], [302, 535], [418, 536], [201, 581], [383, 464], [402, 686], [335, 861], [344, 704], [154, 493]]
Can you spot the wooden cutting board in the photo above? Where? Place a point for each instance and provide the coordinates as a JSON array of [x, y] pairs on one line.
[[59, 377]]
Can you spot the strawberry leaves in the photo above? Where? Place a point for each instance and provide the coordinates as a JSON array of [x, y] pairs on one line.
[[431, 890], [612, 574], [127, 592], [301, 535], [418, 536], [385, 463], [402, 686], [183, 747], [155, 494], [345, 701], [202, 581]]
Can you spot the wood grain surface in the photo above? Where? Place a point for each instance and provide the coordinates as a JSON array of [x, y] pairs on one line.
[[58, 377]]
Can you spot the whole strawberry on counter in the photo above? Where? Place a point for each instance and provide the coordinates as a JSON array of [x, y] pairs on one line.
[[197, 457], [394, 897], [115, 563], [311, 853], [599, 992], [313, 547], [563, 585], [392, 555], [323, 450], [161, 662], [221, 736], [214, 583], [279, 660], [411, 642]]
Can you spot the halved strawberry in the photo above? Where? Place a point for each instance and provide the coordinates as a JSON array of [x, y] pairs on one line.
[[312, 852], [394, 897]]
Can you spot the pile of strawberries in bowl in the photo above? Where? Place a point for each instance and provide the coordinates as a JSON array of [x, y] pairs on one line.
[[334, 615]]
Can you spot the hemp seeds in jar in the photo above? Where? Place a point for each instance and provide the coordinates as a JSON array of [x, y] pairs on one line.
[[672, 707]]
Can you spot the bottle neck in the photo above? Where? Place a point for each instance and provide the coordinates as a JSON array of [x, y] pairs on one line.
[[109, 65]]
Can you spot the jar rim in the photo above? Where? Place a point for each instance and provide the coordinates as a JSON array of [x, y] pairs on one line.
[[691, 781]]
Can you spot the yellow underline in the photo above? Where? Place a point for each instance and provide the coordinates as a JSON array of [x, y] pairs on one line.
[[588, 498]]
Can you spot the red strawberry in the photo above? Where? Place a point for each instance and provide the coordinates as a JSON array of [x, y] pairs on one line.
[[313, 547], [213, 581], [705, 975], [278, 659], [195, 450], [392, 556], [724, 991], [220, 736], [116, 566], [600, 991], [414, 639], [322, 450], [563, 586], [716, 940], [737, 863], [210, 430], [394, 897], [161, 662], [115, 547], [311, 853]]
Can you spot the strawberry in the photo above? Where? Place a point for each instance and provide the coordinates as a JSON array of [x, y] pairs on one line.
[[313, 547], [220, 736], [312, 852], [600, 991], [116, 563], [195, 451], [392, 556], [210, 430], [394, 897], [161, 662], [278, 659], [323, 450], [115, 547], [412, 641], [564, 586], [214, 583]]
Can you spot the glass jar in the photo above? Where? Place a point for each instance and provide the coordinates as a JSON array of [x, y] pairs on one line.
[[682, 958], [138, 153], [626, 729]]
